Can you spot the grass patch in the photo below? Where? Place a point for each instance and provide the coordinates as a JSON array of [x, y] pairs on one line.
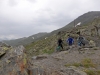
[[48, 51], [92, 72], [74, 64], [67, 65], [95, 48], [87, 63], [77, 64]]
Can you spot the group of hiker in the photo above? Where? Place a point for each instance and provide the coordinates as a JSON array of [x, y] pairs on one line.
[[70, 41]]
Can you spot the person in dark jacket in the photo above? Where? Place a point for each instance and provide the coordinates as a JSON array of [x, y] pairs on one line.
[[60, 43], [81, 40]]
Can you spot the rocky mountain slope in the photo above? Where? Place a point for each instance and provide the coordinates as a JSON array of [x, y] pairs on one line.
[[83, 20], [49, 44], [79, 61]]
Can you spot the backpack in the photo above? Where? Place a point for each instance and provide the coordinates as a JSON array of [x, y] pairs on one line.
[[58, 48]]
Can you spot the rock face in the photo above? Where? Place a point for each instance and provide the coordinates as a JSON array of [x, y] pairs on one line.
[[13, 61]]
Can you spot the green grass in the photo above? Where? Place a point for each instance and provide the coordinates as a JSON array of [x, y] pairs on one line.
[[74, 64], [92, 72], [48, 51], [86, 63]]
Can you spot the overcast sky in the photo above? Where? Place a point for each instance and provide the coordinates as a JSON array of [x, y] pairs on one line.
[[22, 18]]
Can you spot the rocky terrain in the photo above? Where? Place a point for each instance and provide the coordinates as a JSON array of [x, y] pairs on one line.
[[49, 44], [75, 61]]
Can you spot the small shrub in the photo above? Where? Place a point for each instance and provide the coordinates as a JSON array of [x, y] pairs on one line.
[[92, 72], [87, 63]]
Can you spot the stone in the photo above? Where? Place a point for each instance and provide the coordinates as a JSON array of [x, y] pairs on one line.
[[41, 57], [34, 57], [19, 50], [74, 71], [92, 43], [2, 54]]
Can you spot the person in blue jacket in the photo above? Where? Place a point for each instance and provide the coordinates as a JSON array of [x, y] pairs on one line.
[[70, 41]]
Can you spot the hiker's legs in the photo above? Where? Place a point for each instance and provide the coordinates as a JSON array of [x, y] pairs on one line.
[[83, 44], [61, 46], [70, 47], [79, 43]]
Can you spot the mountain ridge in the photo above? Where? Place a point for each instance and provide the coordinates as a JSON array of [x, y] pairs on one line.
[[25, 40], [84, 19]]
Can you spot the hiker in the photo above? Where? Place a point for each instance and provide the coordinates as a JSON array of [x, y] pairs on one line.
[[81, 40], [60, 43], [70, 41]]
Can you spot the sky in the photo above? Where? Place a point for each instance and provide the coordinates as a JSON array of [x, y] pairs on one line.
[[23, 18]]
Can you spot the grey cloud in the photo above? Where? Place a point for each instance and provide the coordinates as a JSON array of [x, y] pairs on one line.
[[20, 21], [48, 17], [32, 1], [13, 2], [59, 20]]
